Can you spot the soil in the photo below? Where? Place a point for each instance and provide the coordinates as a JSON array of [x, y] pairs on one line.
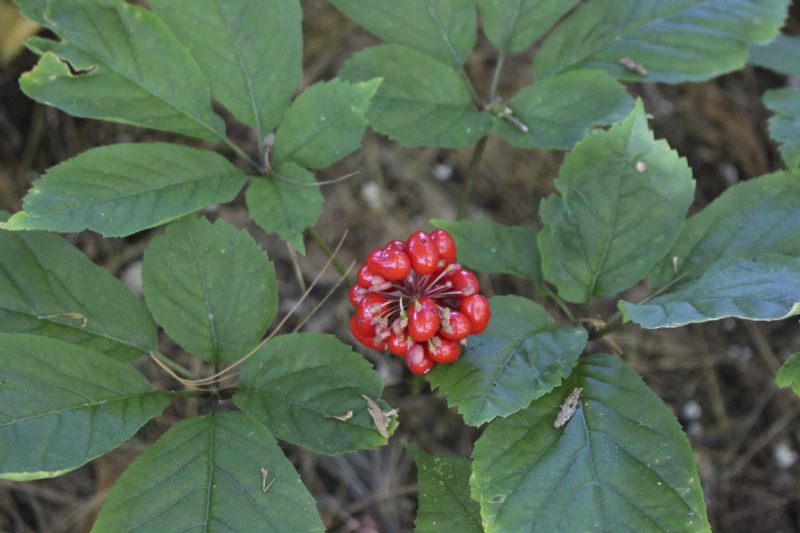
[[718, 378]]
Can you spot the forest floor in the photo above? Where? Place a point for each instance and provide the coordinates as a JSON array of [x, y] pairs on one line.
[[718, 378]]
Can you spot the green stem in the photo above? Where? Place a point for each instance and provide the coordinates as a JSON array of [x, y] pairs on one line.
[[241, 153], [561, 303], [496, 77], [611, 327], [175, 366], [472, 171], [317, 238]]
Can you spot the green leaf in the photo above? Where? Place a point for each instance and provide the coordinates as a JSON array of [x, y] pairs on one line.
[[444, 501], [750, 219], [491, 247], [557, 112], [119, 62], [62, 406], [421, 100], [49, 288], [781, 55], [522, 355], [623, 200], [443, 29], [309, 389], [784, 126], [789, 374], [620, 463], [211, 287], [513, 25], [251, 52], [121, 189], [286, 207], [681, 40], [767, 289], [209, 473], [324, 124]]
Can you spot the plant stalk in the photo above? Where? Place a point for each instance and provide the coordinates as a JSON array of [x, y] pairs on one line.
[[472, 172]]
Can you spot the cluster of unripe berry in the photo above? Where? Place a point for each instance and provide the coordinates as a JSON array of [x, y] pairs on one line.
[[414, 299]]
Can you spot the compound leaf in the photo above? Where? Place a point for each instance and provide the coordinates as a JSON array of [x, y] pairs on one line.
[[751, 219], [491, 247], [121, 189], [522, 355], [421, 101], [286, 207], [211, 287], [49, 288], [443, 29], [324, 124], [681, 40], [119, 62], [618, 461], [251, 52], [223, 472], [444, 500], [309, 389], [513, 25], [63, 405], [789, 374], [623, 200], [557, 112], [784, 126], [767, 289]]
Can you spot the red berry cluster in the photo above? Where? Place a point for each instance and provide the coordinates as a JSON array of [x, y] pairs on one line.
[[414, 299]]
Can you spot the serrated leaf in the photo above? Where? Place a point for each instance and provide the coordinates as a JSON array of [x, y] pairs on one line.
[[784, 126], [558, 112], [444, 501], [208, 473], [119, 62], [767, 289], [251, 52], [121, 189], [789, 374], [491, 247], [621, 463], [781, 55], [211, 287], [443, 29], [623, 200], [62, 406], [421, 101], [522, 355], [49, 288], [304, 387], [324, 124], [751, 219], [513, 25], [286, 207], [681, 40]]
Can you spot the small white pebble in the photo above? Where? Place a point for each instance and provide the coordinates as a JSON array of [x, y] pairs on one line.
[[784, 456], [442, 172], [691, 411], [371, 194], [132, 277]]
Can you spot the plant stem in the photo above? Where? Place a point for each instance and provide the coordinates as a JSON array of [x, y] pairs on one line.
[[496, 77], [174, 366], [314, 234], [241, 153], [553, 296], [472, 171]]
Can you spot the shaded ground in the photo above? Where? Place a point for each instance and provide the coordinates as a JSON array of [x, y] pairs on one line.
[[718, 378]]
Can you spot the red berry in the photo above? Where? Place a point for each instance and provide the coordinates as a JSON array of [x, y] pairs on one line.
[[446, 247], [390, 263], [365, 277], [476, 307], [398, 344], [455, 326], [397, 244], [423, 253], [443, 350], [423, 319], [357, 293], [417, 360], [367, 341], [464, 281], [368, 313]]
